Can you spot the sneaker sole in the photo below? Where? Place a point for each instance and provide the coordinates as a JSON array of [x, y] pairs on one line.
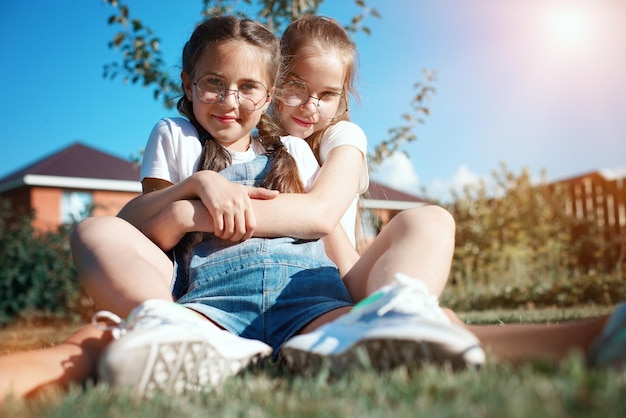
[[383, 354], [171, 366]]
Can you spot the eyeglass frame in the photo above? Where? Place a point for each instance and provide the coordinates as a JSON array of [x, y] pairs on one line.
[[317, 105], [225, 92]]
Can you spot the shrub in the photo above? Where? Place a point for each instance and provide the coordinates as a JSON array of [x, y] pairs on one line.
[[36, 270], [516, 244]]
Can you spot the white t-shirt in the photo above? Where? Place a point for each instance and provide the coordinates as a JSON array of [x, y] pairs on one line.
[[173, 151], [347, 133]]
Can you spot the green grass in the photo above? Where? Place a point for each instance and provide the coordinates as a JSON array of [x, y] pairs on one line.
[[532, 315], [537, 389]]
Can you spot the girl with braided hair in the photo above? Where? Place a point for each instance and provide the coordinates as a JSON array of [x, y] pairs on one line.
[[238, 298]]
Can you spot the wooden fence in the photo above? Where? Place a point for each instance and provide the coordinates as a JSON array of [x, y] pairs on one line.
[[594, 194]]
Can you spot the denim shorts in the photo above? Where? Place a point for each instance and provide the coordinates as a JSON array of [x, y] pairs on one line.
[[263, 288]]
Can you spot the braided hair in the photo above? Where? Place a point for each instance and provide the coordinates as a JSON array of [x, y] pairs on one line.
[[283, 174]]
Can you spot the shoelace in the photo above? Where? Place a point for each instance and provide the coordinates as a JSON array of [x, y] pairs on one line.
[[413, 297], [141, 317], [147, 315], [108, 321]]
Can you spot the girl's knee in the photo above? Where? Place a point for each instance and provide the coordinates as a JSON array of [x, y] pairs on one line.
[[429, 215], [97, 232], [97, 227]]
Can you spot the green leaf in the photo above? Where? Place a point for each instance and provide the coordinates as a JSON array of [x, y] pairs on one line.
[[136, 25]]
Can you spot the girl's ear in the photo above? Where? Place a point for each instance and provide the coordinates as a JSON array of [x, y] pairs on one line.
[[187, 85], [269, 98]]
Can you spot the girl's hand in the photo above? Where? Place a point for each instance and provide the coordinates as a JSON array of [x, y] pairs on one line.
[[229, 204]]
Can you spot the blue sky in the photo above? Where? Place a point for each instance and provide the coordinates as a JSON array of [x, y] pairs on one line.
[[538, 84]]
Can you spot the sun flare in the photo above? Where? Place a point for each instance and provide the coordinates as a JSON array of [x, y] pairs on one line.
[[569, 28]]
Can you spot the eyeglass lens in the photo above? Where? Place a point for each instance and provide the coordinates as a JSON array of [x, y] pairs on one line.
[[251, 94], [329, 105]]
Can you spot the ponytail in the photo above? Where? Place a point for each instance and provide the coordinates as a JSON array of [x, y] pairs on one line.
[[283, 175], [214, 156]]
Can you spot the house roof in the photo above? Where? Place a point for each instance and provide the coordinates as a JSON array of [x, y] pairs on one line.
[[79, 160], [77, 166]]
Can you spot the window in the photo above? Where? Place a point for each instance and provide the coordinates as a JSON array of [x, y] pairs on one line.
[[75, 206]]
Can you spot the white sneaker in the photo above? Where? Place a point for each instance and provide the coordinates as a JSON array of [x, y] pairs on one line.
[[400, 325], [163, 346]]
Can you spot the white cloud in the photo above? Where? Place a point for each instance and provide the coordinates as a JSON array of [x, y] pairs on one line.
[[614, 173], [441, 188], [464, 177], [398, 173]]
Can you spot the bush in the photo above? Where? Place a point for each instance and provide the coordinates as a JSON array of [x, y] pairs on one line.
[[591, 289], [516, 244], [36, 270]]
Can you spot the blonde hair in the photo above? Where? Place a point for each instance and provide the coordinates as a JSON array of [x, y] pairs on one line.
[[326, 34]]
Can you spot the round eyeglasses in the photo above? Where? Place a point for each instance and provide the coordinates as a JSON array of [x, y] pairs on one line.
[[251, 95], [329, 105]]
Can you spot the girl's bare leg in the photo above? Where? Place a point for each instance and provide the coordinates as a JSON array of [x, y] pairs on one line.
[[118, 265], [73, 360], [521, 342], [418, 242]]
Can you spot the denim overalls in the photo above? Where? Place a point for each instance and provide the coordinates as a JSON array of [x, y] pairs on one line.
[[263, 288]]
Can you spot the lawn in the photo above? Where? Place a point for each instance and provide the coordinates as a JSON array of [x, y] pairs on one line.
[[538, 389]]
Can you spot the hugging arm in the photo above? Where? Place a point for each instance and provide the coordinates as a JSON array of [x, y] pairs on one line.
[[168, 227], [310, 215], [316, 213], [228, 204]]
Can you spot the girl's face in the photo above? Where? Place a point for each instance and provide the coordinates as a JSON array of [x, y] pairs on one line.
[[231, 79], [323, 72]]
